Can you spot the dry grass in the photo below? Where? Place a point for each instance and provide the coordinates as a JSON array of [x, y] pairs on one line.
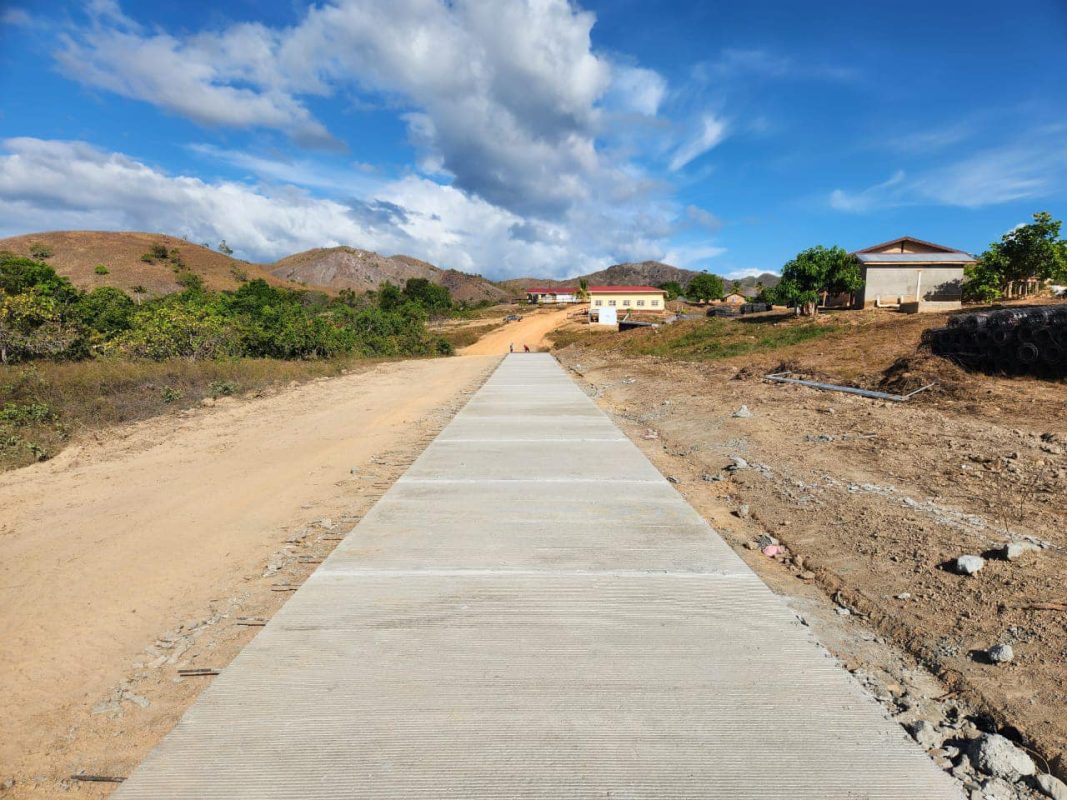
[[43, 405]]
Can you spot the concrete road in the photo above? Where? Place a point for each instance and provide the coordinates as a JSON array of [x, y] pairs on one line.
[[532, 611]]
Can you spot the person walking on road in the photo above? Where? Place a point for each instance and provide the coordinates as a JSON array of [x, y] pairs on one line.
[[511, 348]]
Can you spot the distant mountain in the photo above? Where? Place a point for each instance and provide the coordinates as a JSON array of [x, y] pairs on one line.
[[77, 255], [363, 270], [651, 273]]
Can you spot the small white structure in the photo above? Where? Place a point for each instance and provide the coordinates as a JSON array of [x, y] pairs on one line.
[[604, 316]]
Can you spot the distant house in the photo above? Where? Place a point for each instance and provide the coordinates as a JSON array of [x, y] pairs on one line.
[[734, 299], [912, 274], [628, 298], [552, 294]]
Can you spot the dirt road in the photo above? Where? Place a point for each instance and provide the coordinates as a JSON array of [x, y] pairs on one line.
[[125, 559], [531, 331]]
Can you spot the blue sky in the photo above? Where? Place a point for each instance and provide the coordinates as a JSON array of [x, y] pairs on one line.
[[534, 138]]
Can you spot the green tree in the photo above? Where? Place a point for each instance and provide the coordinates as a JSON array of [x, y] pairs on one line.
[[705, 287], [434, 299], [225, 249], [736, 287], [40, 251], [18, 274], [672, 288], [1029, 252], [815, 271]]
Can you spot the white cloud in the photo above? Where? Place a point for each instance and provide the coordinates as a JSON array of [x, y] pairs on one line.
[[748, 272], [711, 132], [504, 98], [739, 63], [693, 256], [16, 17], [47, 184], [1030, 170]]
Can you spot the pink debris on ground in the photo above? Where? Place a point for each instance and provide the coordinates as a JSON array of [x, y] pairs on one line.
[[771, 550]]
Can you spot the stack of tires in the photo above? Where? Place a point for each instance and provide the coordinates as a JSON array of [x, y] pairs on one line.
[[1010, 341]]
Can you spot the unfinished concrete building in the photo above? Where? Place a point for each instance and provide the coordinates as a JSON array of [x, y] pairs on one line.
[[912, 274]]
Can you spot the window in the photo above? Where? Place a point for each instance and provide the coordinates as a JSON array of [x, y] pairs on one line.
[[626, 302], [611, 302], [599, 303], [655, 302], [640, 302]]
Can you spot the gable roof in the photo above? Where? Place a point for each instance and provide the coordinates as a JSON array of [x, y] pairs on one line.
[[902, 239]]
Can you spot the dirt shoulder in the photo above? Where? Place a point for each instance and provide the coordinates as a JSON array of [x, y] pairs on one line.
[[137, 551], [870, 499]]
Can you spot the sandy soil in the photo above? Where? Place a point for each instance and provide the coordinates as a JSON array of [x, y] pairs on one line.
[[871, 499], [127, 558], [530, 331]]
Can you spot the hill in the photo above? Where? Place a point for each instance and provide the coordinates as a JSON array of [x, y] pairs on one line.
[[77, 254], [363, 270], [652, 273]]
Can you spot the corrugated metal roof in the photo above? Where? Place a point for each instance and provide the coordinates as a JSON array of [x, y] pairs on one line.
[[915, 258], [598, 290]]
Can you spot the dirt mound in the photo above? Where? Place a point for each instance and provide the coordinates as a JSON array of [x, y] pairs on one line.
[[912, 372], [78, 255], [363, 270]]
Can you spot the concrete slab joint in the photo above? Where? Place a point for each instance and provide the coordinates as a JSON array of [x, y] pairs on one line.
[[533, 611]]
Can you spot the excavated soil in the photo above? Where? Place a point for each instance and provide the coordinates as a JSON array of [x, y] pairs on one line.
[[871, 499]]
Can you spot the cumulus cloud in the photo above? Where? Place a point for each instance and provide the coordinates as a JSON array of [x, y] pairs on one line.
[[710, 132], [504, 98], [48, 184]]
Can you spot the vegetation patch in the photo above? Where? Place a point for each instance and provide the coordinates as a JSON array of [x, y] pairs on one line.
[[705, 340], [464, 337]]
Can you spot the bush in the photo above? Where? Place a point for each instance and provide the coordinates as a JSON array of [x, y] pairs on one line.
[[107, 311], [40, 251], [219, 389], [158, 251], [190, 281], [175, 330], [101, 269], [148, 258], [171, 395]]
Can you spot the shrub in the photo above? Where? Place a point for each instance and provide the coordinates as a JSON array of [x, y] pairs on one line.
[[40, 251], [219, 389], [27, 413], [190, 281], [159, 251], [174, 330], [171, 395], [107, 311], [148, 258], [101, 269], [139, 289]]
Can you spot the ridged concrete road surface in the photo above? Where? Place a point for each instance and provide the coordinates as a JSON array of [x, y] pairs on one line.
[[532, 611]]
